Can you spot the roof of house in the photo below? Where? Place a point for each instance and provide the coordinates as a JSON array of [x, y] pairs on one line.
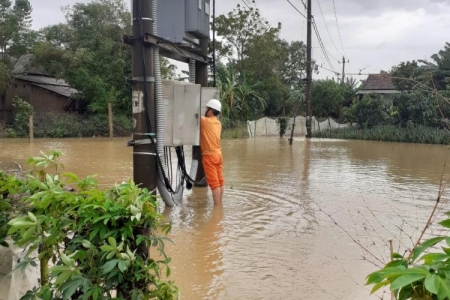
[[25, 71], [51, 84], [24, 66], [379, 82]]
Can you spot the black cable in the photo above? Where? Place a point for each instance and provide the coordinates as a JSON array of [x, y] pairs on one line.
[[149, 125], [180, 153]]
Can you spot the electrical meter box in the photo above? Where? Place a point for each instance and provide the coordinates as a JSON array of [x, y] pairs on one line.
[[184, 104], [181, 21]]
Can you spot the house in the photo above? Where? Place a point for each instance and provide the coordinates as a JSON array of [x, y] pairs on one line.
[[379, 84], [42, 91]]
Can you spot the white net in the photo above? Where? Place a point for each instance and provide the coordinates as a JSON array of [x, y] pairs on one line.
[[270, 127]]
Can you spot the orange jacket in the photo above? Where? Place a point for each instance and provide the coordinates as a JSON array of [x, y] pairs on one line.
[[210, 131]]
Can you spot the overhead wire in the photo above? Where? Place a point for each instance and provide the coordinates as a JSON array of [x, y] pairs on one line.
[[322, 46], [326, 26], [339, 34], [297, 9], [339, 31]]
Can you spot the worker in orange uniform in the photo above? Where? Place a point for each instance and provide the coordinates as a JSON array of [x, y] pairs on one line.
[[210, 132]]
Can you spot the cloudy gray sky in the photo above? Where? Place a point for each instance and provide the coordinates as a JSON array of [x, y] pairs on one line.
[[375, 34]]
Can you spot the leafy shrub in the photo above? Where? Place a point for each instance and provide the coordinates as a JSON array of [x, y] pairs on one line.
[[369, 112], [89, 242], [390, 133]]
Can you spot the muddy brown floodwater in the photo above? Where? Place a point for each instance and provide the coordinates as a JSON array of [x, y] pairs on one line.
[[275, 236]]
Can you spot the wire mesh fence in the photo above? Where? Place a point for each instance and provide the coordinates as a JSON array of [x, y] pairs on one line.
[[63, 125]]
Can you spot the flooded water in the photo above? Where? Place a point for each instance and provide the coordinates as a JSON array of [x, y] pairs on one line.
[[292, 216]]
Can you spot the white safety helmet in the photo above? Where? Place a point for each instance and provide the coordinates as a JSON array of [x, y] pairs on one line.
[[214, 104]]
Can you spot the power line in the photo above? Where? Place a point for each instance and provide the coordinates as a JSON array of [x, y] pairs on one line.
[[339, 31], [326, 26], [303, 15], [322, 46]]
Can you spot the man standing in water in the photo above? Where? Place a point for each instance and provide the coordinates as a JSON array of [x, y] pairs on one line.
[[210, 132]]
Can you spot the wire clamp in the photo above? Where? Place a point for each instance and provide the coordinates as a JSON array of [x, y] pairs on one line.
[[144, 153], [139, 142]]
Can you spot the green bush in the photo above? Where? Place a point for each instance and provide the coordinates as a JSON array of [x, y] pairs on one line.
[[389, 133], [89, 242]]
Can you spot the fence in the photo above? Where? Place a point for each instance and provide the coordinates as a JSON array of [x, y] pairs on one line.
[[270, 127], [64, 125]]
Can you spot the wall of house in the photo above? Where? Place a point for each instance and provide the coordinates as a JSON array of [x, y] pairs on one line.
[[40, 99], [19, 88], [388, 100], [43, 100]]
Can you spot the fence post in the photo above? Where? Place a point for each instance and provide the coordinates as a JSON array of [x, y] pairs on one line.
[[31, 128], [110, 115]]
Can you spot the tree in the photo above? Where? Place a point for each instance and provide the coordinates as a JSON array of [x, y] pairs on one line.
[[16, 36], [89, 53], [293, 65], [168, 70], [368, 112], [405, 74], [237, 29], [327, 95], [240, 100], [416, 108]]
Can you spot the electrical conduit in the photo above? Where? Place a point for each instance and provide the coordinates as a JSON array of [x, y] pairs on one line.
[[169, 199]]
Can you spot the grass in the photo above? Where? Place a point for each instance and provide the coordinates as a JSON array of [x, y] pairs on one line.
[[235, 133], [389, 133]]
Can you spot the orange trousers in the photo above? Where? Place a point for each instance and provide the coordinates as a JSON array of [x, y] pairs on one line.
[[212, 164]]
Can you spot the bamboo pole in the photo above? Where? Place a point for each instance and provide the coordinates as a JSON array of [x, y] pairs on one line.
[[31, 128], [110, 116]]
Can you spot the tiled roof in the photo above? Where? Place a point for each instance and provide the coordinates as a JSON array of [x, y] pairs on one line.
[[23, 66], [51, 84], [378, 82]]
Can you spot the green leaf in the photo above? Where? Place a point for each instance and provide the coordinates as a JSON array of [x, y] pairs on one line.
[[425, 245], [32, 217], [86, 244], [432, 283], [406, 279], [63, 277], [444, 289], [134, 210], [67, 261], [112, 242], [70, 287], [379, 285], [396, 256], [122, 266], [445, 223], [109, 266]]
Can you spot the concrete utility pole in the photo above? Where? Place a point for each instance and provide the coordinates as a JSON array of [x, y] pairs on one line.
[[144, 158], [343, 67], [308, 73]]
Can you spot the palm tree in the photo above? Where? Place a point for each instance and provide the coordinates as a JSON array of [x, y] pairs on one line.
[[240, 101]]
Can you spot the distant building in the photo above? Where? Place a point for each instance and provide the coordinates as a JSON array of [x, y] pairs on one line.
[[43, 92], [379, 84]]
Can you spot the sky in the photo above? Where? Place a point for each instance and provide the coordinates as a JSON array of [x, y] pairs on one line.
[[372, 35]]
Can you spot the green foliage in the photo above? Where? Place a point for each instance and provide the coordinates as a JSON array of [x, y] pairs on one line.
[[283, 124], [22, 111], [369, 112], [240, 101], [89, 53], [327, 95], [423, 275], [5, 77], [416, 108], [389, 133], [97, 241], [16, 36]]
